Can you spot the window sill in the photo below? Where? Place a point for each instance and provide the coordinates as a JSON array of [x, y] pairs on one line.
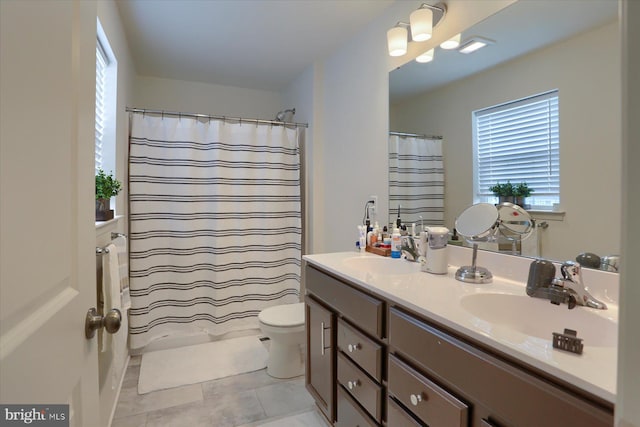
[[107, 226], [547, 215]]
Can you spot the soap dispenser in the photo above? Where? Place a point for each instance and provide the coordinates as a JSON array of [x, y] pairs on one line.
[[437, 252]]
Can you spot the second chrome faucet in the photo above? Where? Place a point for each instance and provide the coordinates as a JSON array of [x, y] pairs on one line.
[[569, 288]]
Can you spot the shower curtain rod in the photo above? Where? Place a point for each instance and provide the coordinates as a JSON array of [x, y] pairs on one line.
[[415, 135], [211, 116]]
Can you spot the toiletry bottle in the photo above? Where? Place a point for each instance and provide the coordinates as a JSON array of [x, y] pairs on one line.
[[362, 238], [396, 243]]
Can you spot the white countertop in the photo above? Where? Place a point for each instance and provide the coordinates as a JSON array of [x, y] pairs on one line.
[[445, 300]]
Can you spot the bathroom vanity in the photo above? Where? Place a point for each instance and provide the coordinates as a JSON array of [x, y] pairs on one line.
[[388, 345]]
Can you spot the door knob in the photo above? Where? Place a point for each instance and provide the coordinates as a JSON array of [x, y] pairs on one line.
[[111, 322]]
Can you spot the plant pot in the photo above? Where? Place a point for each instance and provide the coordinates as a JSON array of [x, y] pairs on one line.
[[103, 213], [510, 199]]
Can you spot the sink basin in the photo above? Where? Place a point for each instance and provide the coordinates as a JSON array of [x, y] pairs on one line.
[[382, 265], [539, 318]]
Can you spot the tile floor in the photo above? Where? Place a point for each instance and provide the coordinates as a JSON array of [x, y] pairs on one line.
[[248, 400]]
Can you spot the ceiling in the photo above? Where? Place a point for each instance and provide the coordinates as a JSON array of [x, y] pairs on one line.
[[256, 44], [522, 27]]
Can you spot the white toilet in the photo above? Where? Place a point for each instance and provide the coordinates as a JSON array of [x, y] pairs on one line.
[[284, 325]]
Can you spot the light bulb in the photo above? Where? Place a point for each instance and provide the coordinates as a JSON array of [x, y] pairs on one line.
[[452, 43], [421, 21], [425, 57], [397, 41]]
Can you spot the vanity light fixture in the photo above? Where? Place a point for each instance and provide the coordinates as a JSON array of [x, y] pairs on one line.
[[397, 39], [425, 57], [422, 21], [473, 44], [452, 43]]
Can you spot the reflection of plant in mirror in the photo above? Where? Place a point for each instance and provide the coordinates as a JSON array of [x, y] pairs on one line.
[[523, 190], [502, 189], [508, 189]]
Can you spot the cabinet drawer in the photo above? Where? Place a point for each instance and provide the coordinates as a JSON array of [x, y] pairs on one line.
[[361, 387], [504, 389], [362, 350], [398, 417], [362, 309], [350, 414], [432, 404]]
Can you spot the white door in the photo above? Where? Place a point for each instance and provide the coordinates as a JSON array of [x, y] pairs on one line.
[[47, 264]]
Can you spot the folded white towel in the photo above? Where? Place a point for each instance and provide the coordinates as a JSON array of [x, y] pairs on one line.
[[110, 289], [123, 260]]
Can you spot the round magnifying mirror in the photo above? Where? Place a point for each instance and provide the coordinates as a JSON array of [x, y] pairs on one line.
[[514, 219], [477, 222]]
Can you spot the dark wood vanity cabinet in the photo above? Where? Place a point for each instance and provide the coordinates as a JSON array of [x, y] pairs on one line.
[[371, 362], [320, 368], [473, 387], [359, 353]]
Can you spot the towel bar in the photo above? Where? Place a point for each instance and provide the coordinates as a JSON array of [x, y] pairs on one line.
[[102, 251]]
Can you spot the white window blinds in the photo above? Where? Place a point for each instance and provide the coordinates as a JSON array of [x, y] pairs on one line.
[[101, 81], [518, 142]]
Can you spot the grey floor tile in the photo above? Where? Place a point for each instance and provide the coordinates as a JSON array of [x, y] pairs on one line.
[[132, 403], [131, 376], [237, 383], [135, 360], [221, 411], [305, 418], [285, 397], [139, 420]]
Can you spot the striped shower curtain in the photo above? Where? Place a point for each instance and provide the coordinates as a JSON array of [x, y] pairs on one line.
[[416, 180], [215, 224]]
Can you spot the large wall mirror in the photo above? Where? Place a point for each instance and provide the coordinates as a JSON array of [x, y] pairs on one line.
[[571, 46]]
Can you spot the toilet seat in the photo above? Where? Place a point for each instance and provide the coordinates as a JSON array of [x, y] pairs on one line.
[[283, 316]]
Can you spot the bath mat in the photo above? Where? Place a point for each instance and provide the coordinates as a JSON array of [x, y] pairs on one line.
[[198, 363]]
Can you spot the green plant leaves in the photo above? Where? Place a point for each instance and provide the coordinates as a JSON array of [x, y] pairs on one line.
[[106, 185]]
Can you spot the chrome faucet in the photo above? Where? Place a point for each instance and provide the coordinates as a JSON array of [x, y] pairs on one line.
[[568, 289], [409, 248], [572, 281]]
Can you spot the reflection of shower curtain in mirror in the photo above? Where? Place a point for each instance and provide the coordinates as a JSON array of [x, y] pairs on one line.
[[215, 224], [416, 180]]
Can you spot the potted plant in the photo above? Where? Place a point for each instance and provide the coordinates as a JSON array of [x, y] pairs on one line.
[[106, 187], [511, 193], [504, 192], [521, 191]]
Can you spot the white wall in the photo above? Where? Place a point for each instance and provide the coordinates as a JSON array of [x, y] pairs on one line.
[[195, 97], [300, 95], [590, 146]]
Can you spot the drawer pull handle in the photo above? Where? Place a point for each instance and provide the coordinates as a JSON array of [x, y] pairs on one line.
[[415, 399], [353, 347], [353, 384], [322, 346]]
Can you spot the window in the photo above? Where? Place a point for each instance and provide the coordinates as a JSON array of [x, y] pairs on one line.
[[102, 61], [518, 142]]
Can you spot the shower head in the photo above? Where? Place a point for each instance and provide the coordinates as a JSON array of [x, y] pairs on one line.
[[286, 115]]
